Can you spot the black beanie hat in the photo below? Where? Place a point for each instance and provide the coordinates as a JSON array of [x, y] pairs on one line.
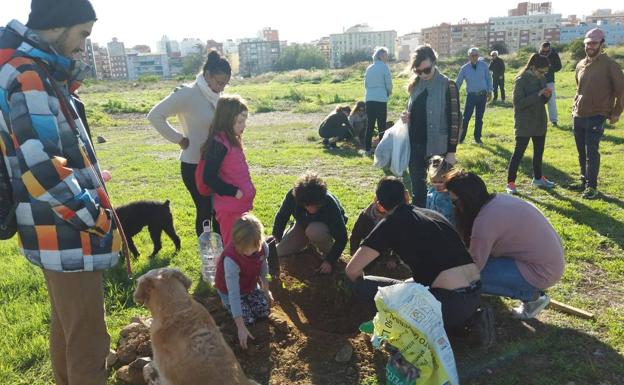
[[48, 14]]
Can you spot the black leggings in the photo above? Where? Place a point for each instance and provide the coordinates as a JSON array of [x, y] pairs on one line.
[[457, 308], [538, 152], [203, 205], [375, 112]]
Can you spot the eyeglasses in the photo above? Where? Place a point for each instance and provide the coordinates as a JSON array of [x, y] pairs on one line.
[[425, 71]]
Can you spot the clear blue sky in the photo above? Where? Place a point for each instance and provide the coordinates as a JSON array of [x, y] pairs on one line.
[[145, 21]]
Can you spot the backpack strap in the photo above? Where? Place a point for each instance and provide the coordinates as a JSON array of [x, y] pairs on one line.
[[65, 109]]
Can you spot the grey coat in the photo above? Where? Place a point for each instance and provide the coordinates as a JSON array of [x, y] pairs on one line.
[[530, 117]]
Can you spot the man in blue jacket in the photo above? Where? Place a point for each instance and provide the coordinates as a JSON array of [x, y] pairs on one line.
[[478, 92]]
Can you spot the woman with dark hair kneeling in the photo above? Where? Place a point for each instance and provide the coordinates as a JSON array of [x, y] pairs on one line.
[[515, 246], [433, 250]]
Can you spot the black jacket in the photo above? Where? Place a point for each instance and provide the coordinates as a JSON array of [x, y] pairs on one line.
[[555, 66], [331, 213], [497, 67]]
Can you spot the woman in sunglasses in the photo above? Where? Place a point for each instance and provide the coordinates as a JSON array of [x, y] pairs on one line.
[[530, 97], [433, 118]]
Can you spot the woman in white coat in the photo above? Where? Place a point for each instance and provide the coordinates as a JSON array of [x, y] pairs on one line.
[[194, 105]]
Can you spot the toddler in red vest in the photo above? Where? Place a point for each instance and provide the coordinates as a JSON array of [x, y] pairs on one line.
[[241, 278], [226, 170]]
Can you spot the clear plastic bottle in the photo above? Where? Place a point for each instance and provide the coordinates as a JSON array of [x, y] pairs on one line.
[[210, 248]]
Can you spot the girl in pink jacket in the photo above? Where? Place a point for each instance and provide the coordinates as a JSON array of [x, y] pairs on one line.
[[226, 170]]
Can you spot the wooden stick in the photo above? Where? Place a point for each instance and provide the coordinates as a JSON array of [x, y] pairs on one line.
[[562, 307]]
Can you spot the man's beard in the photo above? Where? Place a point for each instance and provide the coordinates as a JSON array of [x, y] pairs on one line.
[[592, 52], [60, 45]]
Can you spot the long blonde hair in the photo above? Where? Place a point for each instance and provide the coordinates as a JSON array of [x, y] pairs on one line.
[[228, 108]]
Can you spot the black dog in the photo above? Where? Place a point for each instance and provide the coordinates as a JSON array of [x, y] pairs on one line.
[[157, 216]]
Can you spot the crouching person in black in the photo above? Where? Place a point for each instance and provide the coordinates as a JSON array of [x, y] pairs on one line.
[[433, 250], [336, 127], [319, 219]]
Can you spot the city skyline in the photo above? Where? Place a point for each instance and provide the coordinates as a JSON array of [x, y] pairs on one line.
[[325, 18]]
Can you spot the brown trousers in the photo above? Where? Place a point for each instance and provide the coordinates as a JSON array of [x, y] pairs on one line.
[[296, 238], [79, 342]]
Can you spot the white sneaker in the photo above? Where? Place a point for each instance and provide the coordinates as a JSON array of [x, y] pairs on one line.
[[531, 309]]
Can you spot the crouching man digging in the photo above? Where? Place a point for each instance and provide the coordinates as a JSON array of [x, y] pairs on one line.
[[433, 250], [319, 219]]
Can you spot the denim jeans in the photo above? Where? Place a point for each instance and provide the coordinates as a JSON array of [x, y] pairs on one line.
[[500, 276], [552, 103], [418, 170], [538, 152], [474, 101], [587, 134]]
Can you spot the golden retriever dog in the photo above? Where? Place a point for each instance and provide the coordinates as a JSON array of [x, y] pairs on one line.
[[187, 344]]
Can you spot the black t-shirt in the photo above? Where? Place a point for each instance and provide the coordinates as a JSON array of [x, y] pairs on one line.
[[423, 239], [418, 119]]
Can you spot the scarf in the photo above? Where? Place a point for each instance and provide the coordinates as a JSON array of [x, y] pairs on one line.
[[212, 96]]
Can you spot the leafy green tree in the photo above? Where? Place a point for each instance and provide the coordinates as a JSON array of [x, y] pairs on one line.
[[501, 47], [577, 49], [350, 58], [300, 56]]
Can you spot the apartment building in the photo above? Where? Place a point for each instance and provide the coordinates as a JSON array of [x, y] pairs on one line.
[[516, 32], [140, 64], [257, 56], [439, 38], [465, 35], [118, 60], [359, 38]]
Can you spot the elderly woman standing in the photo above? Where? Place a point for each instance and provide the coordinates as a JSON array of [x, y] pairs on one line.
[[194, 104], [378, 86]]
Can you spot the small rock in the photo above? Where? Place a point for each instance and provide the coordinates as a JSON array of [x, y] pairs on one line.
[[111, 359], [130, 375], [345, 353], [134, 327], [279, 324], [150, 374], [139, 363], [100, 139]]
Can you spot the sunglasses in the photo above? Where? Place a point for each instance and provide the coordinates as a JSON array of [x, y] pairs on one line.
[[454, 201], [425, 71]]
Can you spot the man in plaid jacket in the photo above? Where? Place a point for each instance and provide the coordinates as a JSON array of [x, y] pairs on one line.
[[64, 219]]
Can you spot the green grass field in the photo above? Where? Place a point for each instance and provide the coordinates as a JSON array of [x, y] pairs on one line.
[[281, 143]]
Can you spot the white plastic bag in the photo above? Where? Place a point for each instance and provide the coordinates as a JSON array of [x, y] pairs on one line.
[[393, 151], [409, 318]]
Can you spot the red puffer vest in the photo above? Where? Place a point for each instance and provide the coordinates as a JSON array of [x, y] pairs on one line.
[[249, 269], [235, 171]]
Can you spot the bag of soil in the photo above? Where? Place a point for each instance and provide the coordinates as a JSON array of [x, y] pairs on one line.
[[409, 319]]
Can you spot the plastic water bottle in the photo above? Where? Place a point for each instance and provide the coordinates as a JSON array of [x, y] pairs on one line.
[[210, 248]]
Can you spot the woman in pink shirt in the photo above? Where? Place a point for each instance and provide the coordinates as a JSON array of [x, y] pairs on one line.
[[516, 248]]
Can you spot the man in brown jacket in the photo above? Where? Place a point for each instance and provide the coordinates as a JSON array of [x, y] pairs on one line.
[[599, 96]]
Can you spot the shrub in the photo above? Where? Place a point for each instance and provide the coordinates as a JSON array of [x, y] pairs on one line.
[[264, 105]]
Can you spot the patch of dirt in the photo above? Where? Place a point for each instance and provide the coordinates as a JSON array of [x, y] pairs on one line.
[[313, 318]]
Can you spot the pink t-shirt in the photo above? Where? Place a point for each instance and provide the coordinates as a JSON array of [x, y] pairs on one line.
[[511, 227]]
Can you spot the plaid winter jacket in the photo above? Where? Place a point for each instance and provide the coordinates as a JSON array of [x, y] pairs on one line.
[[63, 222]]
